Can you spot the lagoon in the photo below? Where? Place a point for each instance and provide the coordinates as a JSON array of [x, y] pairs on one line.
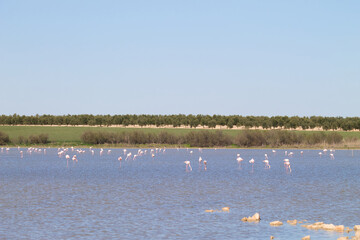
[[44, 197]]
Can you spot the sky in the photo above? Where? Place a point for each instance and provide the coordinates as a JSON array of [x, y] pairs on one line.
[[261, 58]]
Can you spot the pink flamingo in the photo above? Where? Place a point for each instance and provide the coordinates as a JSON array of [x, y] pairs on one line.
[[252, 161], [267, 165], [205, 165], [287, 165], [239, 160], [188, 166], [67, 160], [128, 156], [200, 160], [119, 159]]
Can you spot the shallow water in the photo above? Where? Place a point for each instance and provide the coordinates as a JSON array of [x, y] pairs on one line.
[[155, 198]]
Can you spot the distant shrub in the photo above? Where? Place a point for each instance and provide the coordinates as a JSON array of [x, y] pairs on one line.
[[22, 140], [4, 138], [39, 139], [203, 138], [334, 138], [207, 139]]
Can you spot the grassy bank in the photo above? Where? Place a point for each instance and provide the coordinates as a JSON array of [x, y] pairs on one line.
[[66, 136]]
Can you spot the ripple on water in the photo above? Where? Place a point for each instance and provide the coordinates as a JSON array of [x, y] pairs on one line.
[[154, 198]]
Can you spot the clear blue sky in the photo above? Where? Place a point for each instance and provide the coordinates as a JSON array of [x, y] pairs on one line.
[[191, 57]]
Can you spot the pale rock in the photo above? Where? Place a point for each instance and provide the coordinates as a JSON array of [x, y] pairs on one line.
[[339, 228], [329, 227], [306, 237], [254, 218], [225, 209], [292, 222], [276, 223]]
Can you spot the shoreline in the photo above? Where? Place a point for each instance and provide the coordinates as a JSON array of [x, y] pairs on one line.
[[167, 146]]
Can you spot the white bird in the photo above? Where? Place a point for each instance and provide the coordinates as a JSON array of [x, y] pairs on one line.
[[128, 156], [252, 161], [267, 165], [188, 166], [287, 165]]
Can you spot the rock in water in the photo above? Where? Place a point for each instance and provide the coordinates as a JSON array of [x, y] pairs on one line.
[[276, 223], [292, 222]]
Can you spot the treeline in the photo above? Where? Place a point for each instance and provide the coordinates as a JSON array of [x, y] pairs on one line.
[[193, 121], [247, 138], [32, 139]]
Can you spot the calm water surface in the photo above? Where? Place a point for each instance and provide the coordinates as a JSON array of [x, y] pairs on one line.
[[155, 198]]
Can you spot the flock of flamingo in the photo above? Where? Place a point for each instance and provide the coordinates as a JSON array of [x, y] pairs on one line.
[[128, 155]]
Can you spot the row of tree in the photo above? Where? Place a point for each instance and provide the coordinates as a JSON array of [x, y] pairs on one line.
[[247, 138], [193, 121]]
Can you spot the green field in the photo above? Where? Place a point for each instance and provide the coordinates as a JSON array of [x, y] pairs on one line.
[[63, 135]]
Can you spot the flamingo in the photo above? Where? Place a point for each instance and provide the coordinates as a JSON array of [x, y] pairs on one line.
[[21, 154], [119, 159], [266, 156], [287, 165], [200, 159], [239, 160], [320, 154], [205, 165], [109, 151], [188, 166], [252, 161], [67, 160], [332, 156], [128, 156], [267, 165]]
